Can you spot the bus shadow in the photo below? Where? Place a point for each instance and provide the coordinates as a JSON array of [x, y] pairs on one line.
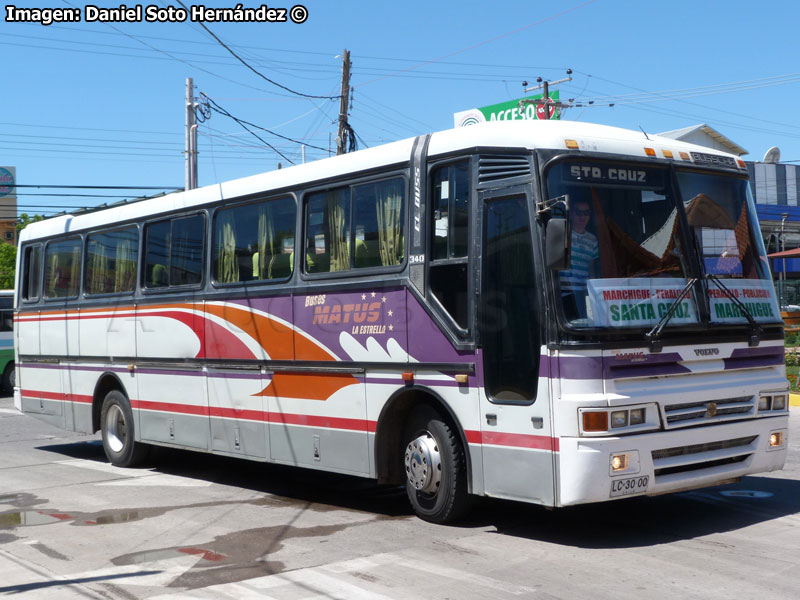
[[319, 490], [644, 521], [628, 523]]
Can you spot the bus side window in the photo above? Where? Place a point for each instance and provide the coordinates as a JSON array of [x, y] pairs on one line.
[[62, 269], [32, 273], [450, 200], [174, 252]]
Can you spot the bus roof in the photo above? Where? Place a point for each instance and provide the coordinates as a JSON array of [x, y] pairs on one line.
[[556, 135]]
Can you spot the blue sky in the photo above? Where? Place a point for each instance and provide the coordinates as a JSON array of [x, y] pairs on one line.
[[103, 103]]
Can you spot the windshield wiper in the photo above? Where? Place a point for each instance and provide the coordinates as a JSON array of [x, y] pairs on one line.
[[654, 335], [755, 328]]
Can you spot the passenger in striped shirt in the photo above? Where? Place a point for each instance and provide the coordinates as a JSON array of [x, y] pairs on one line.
[[584, 253]]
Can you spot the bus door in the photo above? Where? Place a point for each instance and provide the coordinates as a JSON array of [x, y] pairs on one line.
[[515, 412]]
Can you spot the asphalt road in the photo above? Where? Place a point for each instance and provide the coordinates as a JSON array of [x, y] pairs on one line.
[[198, 526]]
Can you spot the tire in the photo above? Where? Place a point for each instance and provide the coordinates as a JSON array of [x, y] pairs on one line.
[[435, 468], [116, 424], [10, 378]]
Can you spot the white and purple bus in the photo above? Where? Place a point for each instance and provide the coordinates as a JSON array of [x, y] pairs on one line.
[[549, 312]]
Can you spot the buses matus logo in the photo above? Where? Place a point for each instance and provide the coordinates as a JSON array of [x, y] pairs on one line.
[[357, 318]]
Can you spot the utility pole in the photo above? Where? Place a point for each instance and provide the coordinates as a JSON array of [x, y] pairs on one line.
[[191, 136], [344, 128], [545, 102]]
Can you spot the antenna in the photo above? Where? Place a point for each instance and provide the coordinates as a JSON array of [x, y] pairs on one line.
[[644, 132], [773, 156]]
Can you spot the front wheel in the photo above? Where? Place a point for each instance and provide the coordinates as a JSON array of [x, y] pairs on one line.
[[116, 423], [435, 467]]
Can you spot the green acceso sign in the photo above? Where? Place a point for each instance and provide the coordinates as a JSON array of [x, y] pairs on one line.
[[510, 111], [7, 340]]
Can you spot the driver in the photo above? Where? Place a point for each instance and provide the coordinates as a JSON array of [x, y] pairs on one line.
[[584, 253]]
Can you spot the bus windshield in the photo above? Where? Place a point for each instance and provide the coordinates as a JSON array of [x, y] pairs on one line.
[[629, 260]]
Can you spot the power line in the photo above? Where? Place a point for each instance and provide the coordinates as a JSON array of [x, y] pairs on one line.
[[243, 124], [483, 43], [222, 111], [246, 64]]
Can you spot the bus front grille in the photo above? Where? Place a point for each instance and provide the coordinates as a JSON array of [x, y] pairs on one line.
[[709, 411], [709, 455]]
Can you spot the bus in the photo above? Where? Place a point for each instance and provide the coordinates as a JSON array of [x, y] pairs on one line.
[[7, 367], [549, 312]]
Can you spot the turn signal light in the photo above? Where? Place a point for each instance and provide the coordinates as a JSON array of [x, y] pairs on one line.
[[595, 421]]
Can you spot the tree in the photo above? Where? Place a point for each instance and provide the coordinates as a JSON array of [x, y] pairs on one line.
[[8, 253], [24, 220], [8, 262]]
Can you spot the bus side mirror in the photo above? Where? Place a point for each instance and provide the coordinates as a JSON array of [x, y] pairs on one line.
[[557, 245]]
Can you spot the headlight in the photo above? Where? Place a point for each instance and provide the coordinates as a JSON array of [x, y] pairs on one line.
[[779, 402], [619, 418]]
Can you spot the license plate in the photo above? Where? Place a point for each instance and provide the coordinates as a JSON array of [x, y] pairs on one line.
[[632, 485]]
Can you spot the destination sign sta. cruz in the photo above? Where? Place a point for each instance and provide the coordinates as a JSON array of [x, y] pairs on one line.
[[616, 174], [510, 111]]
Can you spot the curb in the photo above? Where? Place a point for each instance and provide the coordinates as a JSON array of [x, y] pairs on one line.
[[794, 399]]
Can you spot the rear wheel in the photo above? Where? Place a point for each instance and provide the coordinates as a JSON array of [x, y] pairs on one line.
[[116, 423], [435, 467]]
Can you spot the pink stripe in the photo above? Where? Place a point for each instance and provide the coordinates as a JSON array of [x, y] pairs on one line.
[[516, 440]]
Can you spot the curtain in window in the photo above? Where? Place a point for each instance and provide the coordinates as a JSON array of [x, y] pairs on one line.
[[266, 242], [125, 258], [388, 204], [54, 277], [338, 230], [227, 265], [75, 271], [97, 269]]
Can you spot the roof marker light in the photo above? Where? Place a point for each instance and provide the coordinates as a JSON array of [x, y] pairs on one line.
[[650, 152], [667, 153], [741, 163], [571, 144], [685, 156]]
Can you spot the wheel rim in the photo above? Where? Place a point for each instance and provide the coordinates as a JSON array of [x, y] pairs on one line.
[[116, 428], [424, 464]]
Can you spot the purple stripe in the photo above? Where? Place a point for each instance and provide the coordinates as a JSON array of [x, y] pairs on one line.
[[428, 382], [748, 358], [175, 372], [72, 367], [237, 375], [644, 365], [576, 367]]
